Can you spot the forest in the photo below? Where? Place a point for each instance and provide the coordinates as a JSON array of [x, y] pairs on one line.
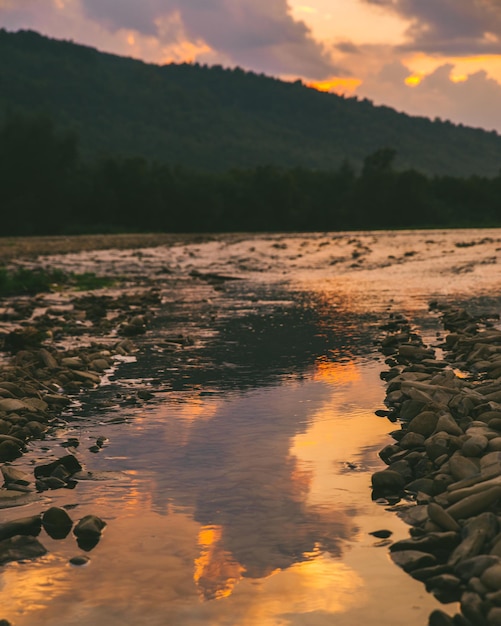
[[212, 119], [47, 188]]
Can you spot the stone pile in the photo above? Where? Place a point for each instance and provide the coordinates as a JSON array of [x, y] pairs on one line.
[[39, 377], [446, 462]]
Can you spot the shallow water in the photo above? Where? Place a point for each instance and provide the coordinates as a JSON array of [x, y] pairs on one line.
[[240, 494]]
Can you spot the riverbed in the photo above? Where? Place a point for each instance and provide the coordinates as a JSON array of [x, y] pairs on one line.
[[239, 492]]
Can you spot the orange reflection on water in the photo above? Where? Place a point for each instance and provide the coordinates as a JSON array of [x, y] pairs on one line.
[[216, 572], [31, 586], [336, 373]]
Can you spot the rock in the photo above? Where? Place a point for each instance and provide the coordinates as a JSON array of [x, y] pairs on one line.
[[414, 515], [439, 543], [441, 518], [426, 573], [48, 360], [387, 452], [69, 462], [475, 566], [11, 475], [88, 531], [23, 526], [57, 523], [476, 533], [9, 450], [439, 618], [472, 608], [494, 445], [20, 548], [472, 505], [410, 560], [403, 468], [475, 445], [79, 560], [424, 423], [387, 482], [445, 587], [9, 405], [461, 467], [425, 485], [441, 482], [56, 400], [494, 617], [438, 444], [411, 440], [381, 534], [491, 577], [494, 597], [414, 353], [447, 424]]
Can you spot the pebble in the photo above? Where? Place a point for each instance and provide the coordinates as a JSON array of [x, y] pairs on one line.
[[57, 523], [79, 560]]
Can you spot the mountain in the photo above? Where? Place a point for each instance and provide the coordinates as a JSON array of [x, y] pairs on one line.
[[213, 119]]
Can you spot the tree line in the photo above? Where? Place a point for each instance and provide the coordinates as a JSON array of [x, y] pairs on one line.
[[47, 188]]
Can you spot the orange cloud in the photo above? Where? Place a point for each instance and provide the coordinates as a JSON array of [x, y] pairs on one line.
[[336, 85]]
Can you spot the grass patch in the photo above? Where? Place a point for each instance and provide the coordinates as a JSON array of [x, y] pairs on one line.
[[29, 282]]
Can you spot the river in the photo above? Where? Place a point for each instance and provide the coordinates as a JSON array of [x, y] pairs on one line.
[[239, 494]]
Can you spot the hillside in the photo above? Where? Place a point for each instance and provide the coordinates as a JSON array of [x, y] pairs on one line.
[[210, 118]]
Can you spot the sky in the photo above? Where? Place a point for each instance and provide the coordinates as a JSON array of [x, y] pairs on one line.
[[437, 58]]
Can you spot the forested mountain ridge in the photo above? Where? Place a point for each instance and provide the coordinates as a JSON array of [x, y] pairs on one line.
[[210, 118]]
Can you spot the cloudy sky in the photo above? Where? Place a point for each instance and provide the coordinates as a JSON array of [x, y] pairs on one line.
[[439, 58]]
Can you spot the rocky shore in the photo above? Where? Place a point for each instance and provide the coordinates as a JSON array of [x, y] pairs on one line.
[[444, 467], [52, 351]]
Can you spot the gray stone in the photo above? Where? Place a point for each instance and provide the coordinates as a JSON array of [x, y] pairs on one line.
[[438, 444], [57, 523], [432, 543], [20, 548], [475, 566], [79, 560], [23, 526], [461, 467], [410, 560], [491, 577], [475, 445], [494, 444], [441, 518], [9, 450], [448, 424], [411, 440], [476, 533], [494, 617], [90, 525], [475, 504], [387, 482], [439, 618], [414, 515], [424, 423], [12, 475], [471, 607], [425, 485]]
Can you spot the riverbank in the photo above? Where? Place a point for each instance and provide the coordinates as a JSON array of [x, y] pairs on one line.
[[446, 460]]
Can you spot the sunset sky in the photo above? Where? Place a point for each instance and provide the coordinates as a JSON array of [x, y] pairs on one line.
[[439, 58]]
